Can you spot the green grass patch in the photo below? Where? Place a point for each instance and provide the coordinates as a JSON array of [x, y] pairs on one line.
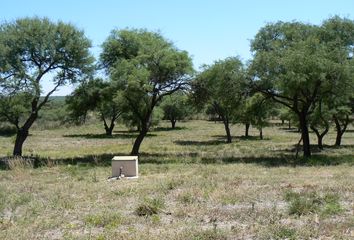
[[305, 203], [104, 220]]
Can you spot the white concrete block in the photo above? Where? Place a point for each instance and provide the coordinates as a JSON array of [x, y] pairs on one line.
[[125, 165]]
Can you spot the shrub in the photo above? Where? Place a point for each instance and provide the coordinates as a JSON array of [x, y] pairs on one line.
[[150, 207]]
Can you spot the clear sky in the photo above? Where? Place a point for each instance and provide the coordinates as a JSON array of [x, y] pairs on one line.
[[208, 29]]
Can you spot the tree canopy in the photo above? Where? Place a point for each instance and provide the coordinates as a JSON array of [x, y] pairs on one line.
[[175, 107], [297, 64], [95, 95], [146, 67], [32, 50], [222, 85]]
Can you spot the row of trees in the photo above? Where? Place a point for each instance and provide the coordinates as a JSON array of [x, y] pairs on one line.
[[307, 69]]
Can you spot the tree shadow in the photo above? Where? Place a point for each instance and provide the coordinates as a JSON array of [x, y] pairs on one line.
[[252, 138], [7, 131], [164, 129], [284, 160], [126, 131], [314, 148], [275, 161], [325, 146], [199, 143], [290, 130], [104, 136], [249, 138], [281, 158]]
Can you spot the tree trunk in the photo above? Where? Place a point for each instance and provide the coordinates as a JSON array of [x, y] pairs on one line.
[[21, 137], [289, 126], [138, 141], [339, 129], [261, 133], [338, 138], [246, 130], [305, 134], [173, 123], [282, 122], [320, 135], [144, 128], [109, 130], [227, 130], [319, 142], [22, 134]]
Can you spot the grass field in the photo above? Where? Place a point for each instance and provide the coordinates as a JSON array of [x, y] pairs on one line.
[[191, 186]]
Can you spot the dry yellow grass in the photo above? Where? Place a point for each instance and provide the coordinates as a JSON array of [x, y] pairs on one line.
[[200, 187]]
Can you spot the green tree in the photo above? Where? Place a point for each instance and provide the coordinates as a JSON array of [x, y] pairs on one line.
[[341, 120], [339, 33], [256, 110], [296, 65], [95, 95], [319, 122], [175, 108], [31, 50], [285, 114], [146, 68], [222, 85]]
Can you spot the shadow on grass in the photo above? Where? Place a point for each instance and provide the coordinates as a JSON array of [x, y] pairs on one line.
[[286, 160], [7, 131], [91, 161], [199, 143], [290, 130], [104, 136], [315, 148], [243, 138], [164, 129], [325, 146]]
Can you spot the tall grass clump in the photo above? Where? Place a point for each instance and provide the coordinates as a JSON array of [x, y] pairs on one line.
[[19, 163]]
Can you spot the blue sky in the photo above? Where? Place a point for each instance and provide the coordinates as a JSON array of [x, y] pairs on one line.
[[208, 29]]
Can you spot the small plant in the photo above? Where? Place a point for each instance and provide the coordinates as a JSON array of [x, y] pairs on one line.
[[332, 206], [303, 203], [72, 170], [50, 162], [3, 197], [106, 219], [284, 233], [155, 219], [20, 199], [174, 183], [150, 207], [310, 202], [186, 198], [94, 176]]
